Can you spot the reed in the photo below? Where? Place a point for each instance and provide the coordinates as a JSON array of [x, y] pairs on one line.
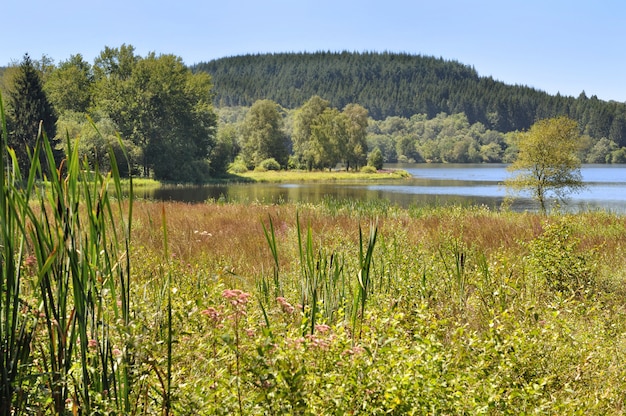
[[18, 318], [74, 319]]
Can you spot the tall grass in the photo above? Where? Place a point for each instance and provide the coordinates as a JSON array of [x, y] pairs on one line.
[[16, 327], [65, 326], [325, 289]]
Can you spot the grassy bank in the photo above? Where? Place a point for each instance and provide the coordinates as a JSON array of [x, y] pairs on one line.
[[321, 176]]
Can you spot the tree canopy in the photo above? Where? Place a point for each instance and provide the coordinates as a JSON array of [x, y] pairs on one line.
[[160, 106], [547, 160], [263, 136], [302, 110]]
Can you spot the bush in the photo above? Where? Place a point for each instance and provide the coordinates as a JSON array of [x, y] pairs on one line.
[[368, 169], [238, 166], [375, 159], [270, 164], [555, 257]]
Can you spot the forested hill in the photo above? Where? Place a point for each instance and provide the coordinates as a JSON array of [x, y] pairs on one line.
[[397, 84]]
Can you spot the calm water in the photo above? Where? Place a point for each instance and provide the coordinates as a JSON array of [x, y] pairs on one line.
[[431, 184]]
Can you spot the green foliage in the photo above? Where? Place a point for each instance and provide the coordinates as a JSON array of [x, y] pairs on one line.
[[30, 111], [547, 160], [270, 164], [93, 138], [618, 155], [375, 159], [556, 258], [159, 105], [355, 149], [70, 85], [262, 135], [305, 119], [238, 166], [225, 149], [399, 84], [65, 322], [368, 169]]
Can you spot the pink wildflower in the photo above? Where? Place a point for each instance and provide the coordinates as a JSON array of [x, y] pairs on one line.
[[286, 306], [322, 328], [236, 296], [212, 313], [30, 261], [116, 352], [318, 342], [357, 349], [92, 343]]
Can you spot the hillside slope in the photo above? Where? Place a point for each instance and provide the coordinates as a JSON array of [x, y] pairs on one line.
[[396, 84]]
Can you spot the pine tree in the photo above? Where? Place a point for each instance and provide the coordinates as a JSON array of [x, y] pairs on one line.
[[30, 108]]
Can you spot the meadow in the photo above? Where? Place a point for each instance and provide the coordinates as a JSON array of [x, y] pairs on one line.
[[345, 308], [116, 306]]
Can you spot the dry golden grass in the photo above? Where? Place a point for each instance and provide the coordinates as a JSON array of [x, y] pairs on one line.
[[232, 234]]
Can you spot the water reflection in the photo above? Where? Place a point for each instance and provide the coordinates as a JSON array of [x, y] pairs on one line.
[[430, 185]]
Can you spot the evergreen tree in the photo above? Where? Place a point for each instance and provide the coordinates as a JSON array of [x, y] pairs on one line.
[[30, 109], [397, 84]]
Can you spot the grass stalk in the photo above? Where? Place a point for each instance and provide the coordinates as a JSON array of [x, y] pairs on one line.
[[363, 277], [16, 328], [167, 399]]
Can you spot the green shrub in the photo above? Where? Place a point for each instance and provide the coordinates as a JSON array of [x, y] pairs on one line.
[[269, 164], [375, 158], [368, 169], [238, 166], [555, 258]]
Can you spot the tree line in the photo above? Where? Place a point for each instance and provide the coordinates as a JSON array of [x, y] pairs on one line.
[[316, 131], [153, 109], [403, 85], [161, 115]]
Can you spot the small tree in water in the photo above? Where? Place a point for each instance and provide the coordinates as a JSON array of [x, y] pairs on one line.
[[548, 161]]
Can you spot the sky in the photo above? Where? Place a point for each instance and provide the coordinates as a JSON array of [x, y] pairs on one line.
[[557, 46]]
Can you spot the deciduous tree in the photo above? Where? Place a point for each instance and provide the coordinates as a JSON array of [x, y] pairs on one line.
[[165, 109], [304, 119], [329, 136], [547, 160], [263, 136], [69, 87], [357, 118]]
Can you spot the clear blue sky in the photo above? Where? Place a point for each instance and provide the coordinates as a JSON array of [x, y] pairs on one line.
[[564, 46]]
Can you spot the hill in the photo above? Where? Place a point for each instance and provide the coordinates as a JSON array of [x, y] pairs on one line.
[[398, 84]]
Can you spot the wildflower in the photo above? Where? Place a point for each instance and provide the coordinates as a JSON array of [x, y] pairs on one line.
[[212, 313], [322, 328], [286, 306], [318, 342], [30, 261], [357, 349], [237, 297], [116, 352], [92, 343], [250, 333]]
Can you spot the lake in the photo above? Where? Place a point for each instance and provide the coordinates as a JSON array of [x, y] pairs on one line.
[[430, 184]]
